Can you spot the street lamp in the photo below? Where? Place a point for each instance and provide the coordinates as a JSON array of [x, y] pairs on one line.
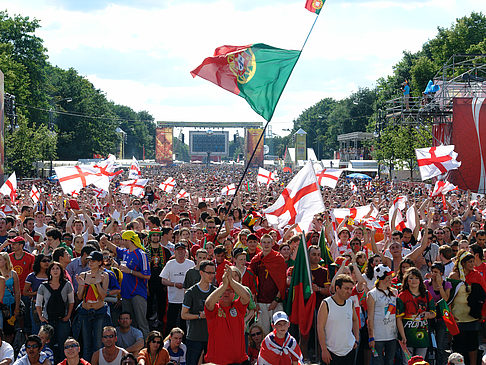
[[51, 122]]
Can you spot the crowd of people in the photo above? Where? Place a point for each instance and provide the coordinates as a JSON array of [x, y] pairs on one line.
[[161, 279]]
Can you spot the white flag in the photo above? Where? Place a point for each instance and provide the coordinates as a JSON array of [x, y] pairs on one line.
[[182, 194], [134, 187], [34, 194], [134, 172], [266, 177], [299, 201], [168, 185], [9, 187], [442, 188], [74, 178], [229, 190], [328, 177], [435, 161]]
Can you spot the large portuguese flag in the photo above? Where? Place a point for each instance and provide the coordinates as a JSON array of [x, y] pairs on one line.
[[301, 300], [258, 73], [314, 6]]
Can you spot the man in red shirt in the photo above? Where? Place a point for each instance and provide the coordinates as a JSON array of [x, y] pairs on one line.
[[226, 321], [22, 261], [221, 262], [479, 265]]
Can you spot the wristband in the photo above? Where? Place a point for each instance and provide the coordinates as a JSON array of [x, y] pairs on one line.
[[371, 339]]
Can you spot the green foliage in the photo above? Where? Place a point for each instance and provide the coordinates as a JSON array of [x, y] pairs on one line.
[[26, 144]]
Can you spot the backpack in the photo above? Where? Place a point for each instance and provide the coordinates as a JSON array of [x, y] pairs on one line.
[[56, 308]]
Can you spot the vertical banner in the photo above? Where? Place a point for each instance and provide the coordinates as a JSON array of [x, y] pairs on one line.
[[469, 139], [163, 145], [2, 129], [300, 145], [252, 137]]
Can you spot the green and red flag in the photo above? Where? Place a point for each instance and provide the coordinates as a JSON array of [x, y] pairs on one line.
[[257, 72], [326, 254], [447, 316], [314, 6], [301, 299]]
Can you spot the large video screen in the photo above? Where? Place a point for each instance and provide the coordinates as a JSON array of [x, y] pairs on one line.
[[200, 143]]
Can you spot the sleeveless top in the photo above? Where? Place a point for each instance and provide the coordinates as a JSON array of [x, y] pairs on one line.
[[8, 297], [339, 327], [117, 360]]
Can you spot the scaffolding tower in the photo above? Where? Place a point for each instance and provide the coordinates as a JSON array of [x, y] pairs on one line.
[[461, 76]]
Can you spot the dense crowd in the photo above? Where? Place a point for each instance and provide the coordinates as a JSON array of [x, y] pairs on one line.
[[158, 279]]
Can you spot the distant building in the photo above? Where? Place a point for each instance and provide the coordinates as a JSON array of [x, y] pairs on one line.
[[352, 146]]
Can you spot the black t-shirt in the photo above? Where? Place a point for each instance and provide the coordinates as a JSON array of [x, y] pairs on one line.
[[194, 299]]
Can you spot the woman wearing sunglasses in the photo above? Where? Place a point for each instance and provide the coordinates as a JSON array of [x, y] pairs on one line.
[[71, 351], [154, 352]]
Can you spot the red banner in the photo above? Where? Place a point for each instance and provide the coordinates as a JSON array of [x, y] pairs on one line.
[[468, 135]]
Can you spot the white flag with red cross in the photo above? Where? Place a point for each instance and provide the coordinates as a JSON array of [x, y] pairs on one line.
[[229, 190], [107, 167], [353, 187], [328, 177], [99, 193], [133, 187], [74, 178], [182, 194], [34, 194], [435, 161], [168, 185], [134, 172], [9, 187], [442, 187], [266, 177], [299, 201]]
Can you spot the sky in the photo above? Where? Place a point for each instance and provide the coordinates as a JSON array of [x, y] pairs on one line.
[[140, 52]]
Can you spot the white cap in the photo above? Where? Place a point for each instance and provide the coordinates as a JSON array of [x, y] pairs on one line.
[[280, 316], [455, 359]]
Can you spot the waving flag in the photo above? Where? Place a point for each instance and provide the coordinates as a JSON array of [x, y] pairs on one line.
[[266, 177], [299, 201], [107, 167], [301, 299], [442, 188], [34, 194], [134, 187], [99, 193], [435, 161], [182, 194], [256, 72], [314, 6], [328, 177], [168, 185], [9, 187], [229, 190], [134, 172], [74, 178], [353, 187], [448, 318]]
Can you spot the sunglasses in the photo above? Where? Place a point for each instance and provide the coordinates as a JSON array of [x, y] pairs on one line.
[[72, 346], [45, 260], [108, 336], [34, 346], [156, 342], [256, 334], [210, 272]]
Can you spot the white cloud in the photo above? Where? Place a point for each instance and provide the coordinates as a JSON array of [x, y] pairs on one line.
[[366, 36]]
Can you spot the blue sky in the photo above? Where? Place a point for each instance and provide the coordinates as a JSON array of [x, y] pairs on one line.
[[140, 52]]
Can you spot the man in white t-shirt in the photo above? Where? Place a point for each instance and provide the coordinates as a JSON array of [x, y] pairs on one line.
[[6, 351], [135, 212], [39, 226], [173, 276]]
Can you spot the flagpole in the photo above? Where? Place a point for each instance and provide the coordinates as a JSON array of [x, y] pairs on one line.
[[264, 129]]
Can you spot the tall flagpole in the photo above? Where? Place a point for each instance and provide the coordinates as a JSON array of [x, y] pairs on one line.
[[263, 131]]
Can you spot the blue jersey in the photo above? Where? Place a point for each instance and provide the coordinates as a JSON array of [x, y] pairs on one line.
[[137, 261]]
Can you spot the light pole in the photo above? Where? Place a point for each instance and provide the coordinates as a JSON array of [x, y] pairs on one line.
[[51, 123]]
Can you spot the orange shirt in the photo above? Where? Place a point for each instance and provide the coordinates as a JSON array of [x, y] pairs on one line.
[[161, 359]]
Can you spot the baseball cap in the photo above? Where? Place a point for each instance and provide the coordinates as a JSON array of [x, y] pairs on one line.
[[95, 256], [17, 239], [280, 316], [417, 360], [179, 245], [455, 359]]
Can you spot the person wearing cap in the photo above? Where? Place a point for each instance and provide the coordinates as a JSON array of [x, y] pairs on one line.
[[338, 324], [382, 326], [270, 270], [457, 359], [157, 256], [173, 275], [136, 273], [92, 290], [279, 347], [225, 318]]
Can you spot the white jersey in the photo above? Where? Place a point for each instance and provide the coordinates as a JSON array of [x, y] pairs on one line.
[[339, 327]]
